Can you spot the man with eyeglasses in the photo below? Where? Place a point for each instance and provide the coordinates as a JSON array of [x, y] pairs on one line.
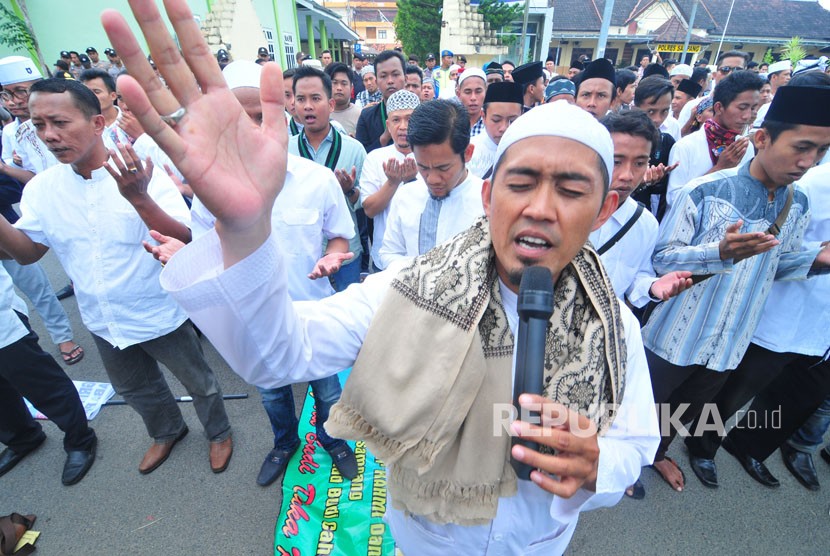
[[19, 137]]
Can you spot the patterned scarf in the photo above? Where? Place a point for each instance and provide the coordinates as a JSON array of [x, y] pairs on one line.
[[436, 363], [718, 138]]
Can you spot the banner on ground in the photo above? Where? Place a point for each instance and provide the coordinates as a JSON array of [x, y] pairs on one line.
[[323, 513]]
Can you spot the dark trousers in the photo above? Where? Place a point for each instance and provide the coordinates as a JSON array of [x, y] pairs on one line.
[[797, 391], [758, 368], [674, 386], [135, 375], [28, 371]]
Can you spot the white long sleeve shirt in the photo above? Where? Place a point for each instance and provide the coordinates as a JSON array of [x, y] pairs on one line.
[[458, 212], [796, 316], [371, 180], [628, 262], [11, 327], [246, 312], [309, 210], [692, 152]]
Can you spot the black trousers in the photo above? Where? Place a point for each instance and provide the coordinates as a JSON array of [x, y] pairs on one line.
[[756, 370], [673, 386], [28, 371], [797, 392]]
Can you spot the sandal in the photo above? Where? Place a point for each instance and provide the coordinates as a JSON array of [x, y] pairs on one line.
[[12, 528], [70, 359], [682, 475], [637, 490]]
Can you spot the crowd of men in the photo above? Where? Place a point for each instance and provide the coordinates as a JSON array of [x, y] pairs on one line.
[[383, 221]]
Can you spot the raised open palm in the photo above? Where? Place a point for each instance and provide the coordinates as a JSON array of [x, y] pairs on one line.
[[234, 166]]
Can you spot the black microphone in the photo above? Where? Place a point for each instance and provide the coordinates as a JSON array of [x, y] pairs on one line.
[[535, 306]]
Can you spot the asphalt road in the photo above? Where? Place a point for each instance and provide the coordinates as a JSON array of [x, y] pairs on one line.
[[182, 508]]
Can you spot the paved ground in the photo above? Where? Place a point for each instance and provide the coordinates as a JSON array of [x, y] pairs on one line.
[[183, 508]]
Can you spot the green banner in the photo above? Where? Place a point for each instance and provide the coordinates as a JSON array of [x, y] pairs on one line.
[[323, 513]]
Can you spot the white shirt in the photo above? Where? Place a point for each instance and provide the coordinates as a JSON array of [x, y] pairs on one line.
[[458, 212], [371, 180], [96, 234], [35, 156], [145, 146], [672, 127], [762, 113], [11, 327], [114, 134], [796, 317], [628, 262], [686, 111], [484, 154], [310, 209], [692, 152], [246, 312]]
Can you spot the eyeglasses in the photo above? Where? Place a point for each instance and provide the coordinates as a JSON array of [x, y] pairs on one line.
[[17, 94], [727, 69]]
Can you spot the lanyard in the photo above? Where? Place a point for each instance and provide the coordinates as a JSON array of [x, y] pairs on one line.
[[293, 127], [334, 152], [383, 113]]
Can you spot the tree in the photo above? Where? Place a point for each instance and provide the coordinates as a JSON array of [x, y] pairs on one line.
[[16, 32], [793, 51], [418, 26], [497, 14], [768, 57]]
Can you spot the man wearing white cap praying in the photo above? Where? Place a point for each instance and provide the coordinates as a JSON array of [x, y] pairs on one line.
[[432, 342], [470, 90], [388, 168], [17, 75]]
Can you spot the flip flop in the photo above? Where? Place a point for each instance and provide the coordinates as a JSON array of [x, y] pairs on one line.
[[69, 359], [670, 460], [638, 490]]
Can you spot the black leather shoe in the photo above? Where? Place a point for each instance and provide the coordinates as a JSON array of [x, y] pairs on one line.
[[9, 458], [706, 470], [343, 458], [800, 465], [78, 463], [825, 454], [756, 469], [274, 465], [66, 291]]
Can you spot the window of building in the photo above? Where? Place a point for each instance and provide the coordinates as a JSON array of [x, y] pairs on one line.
[[382, 34], [288, 46], [371, 33], [269, 42]]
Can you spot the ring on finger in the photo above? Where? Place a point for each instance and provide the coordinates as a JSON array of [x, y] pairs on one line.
[[174, 117], [132, 170]]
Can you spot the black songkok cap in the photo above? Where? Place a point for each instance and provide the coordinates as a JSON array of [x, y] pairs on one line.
[[504, 91], [690, 88], [578, 65], [494, 67], [655, 69], [800, 106], [599, 68], [528, 73]]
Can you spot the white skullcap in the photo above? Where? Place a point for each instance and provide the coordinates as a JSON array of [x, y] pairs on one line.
[[242, 73], [367, 69], [455, 67], [561, 119], [402, 100], [472, 72], [681, 69], [16, 69], [311, 62], [783, 65]]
